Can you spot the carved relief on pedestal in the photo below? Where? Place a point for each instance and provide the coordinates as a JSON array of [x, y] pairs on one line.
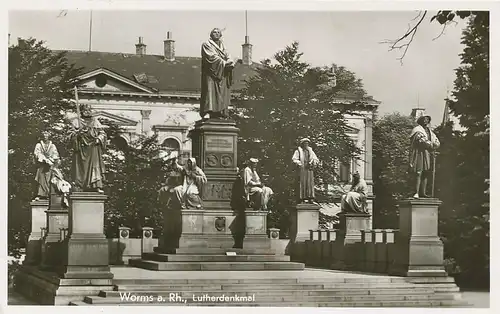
[[220, 223], [217, 191], [211, 160], [226, 161]]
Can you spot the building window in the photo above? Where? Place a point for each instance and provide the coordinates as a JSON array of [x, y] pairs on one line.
[[171, 145], [101, 80], [120, 143]]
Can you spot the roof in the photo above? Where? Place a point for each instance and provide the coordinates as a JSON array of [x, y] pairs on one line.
[[181, 75]]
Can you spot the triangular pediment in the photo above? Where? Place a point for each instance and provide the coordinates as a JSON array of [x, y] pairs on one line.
[[108, 81], [116, 119]]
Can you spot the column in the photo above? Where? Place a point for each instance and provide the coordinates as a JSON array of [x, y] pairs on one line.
[[146, 122]]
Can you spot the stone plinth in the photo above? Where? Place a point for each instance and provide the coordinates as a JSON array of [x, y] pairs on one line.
[[38, 221], [87, 253], [352, 224], [418, 248], [349, 248], [57, 220], [305, 217], [214, 147], [256, 230]]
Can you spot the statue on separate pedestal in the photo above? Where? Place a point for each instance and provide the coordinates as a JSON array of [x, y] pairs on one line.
[[89, 143], [354, 201], [254, 189], [45, 155], [216, 76], [422, 154], [173, 179], [193, 178], [305, 159]]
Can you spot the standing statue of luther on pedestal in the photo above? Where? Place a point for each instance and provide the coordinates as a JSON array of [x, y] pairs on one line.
[[216, 77]]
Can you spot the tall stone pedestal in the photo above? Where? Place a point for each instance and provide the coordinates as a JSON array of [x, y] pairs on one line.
[[214, 147], [52, 246], [34, 243], [87, 255], [256, 230], [418, 248], [305, 217]]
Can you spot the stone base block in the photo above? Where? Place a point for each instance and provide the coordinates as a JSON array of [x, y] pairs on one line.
[[33, 251], [87, 249], [206, 241], [47, 288], [305, 217], [352, 224], [86, 272]]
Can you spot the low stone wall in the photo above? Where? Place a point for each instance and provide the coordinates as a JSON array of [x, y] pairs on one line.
[[413, 250], [373, 253]]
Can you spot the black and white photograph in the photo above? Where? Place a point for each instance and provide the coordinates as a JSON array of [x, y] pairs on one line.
[[248, 156]]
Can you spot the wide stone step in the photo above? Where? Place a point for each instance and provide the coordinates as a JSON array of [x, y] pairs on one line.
[[222, 251], [214, 258], [319, 302], [281, 293], [269, 288], [227, 266], [274, 281]]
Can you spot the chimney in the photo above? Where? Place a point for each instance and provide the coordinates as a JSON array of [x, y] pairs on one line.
[[169, 47], [140, 48], [247, 51]]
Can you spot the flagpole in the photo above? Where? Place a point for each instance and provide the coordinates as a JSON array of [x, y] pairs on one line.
[[77, 108], [90, 32]]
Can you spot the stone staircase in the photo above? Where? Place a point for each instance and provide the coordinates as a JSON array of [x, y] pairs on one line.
[[321, 290], [215, 259]]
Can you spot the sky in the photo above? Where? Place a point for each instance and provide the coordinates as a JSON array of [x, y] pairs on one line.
[[347, 38]]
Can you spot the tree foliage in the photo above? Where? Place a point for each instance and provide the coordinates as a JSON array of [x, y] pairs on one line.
[[134, 176], [391, 180], [287, 100], [39, 86], [465, 160]]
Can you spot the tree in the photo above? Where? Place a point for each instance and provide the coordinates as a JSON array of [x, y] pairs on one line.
[[442, 17], [466, 203], [39, 86], [286, 100], [391, 148], [134, 176]]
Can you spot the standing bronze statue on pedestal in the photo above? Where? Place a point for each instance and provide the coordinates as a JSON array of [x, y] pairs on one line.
[[422, 155]]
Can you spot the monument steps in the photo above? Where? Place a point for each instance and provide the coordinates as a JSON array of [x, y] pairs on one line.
[[314, 290], [327, 301], [274, 281], [218, 251], [214, 258], [180, 266], [283, 288]]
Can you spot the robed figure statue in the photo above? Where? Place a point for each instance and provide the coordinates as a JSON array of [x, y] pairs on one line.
[[45, 157], [193, 179], [89, 143], [305, 159], [422, 157], [216, 77]]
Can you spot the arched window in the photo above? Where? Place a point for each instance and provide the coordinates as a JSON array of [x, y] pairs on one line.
[[171, 144], [120, 143]]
